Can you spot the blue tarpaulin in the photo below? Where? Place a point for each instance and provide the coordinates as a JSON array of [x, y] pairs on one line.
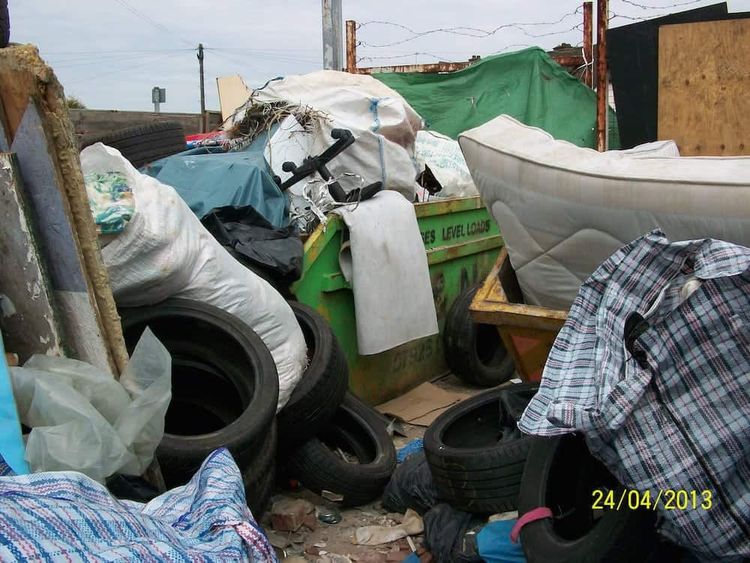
[[208, 177]]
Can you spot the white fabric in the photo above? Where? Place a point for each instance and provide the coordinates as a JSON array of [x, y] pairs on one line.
[[383, 123], [387, 267], [563, 209], [165, 252], [443, 155]]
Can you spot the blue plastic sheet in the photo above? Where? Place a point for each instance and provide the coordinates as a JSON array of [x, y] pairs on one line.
[[208, 177], [11, 442]]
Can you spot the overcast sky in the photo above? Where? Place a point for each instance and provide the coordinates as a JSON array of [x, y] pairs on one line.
[[110, 53]]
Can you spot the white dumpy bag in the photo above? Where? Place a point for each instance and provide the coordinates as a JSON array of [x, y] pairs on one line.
[[383, 123], [165, 252]]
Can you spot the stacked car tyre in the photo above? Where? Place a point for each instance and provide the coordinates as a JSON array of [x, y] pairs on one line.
[[477, 454], [474, 352], [145, 143], [352, 457], [322, 387], [224, 392], [329, 440]]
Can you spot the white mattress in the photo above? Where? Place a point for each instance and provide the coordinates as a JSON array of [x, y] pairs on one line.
[[563, 209]]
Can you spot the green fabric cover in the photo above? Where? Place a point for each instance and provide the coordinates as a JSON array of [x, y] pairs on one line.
[[527, 85]]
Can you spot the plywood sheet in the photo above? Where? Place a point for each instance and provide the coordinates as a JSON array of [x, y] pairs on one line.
[[704, 87]]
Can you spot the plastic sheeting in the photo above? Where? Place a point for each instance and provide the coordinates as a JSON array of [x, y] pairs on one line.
[[527, 85], [81, 419], [207, 178]]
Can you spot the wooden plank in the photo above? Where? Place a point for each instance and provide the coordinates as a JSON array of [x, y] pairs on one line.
[[29, 320], [704, 85], [39, 131]]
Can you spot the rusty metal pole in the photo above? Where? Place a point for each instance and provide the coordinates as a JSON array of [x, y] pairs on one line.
[[351, 46], [588, 48], [601, 74]]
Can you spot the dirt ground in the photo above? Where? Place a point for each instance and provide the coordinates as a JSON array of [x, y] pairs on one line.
[[334, 543]]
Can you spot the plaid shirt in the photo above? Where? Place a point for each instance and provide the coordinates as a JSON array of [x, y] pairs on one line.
[[653, 367]]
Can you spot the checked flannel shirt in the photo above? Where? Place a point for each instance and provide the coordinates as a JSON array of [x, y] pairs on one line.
[[653, 368]]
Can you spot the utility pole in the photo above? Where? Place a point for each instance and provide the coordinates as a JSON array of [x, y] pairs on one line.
[[602, 86], [333, 39], [203, 89]]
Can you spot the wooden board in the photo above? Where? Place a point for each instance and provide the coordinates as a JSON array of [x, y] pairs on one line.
[[29, 320], [233, 93], [704, 87], [36, 126]]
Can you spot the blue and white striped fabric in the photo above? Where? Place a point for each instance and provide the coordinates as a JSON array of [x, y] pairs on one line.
[[653, 367], [66, 516]]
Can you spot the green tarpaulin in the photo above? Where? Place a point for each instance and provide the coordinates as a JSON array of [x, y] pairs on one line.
[[527, 85]]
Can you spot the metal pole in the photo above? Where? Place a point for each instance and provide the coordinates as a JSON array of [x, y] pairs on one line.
[[588, 48], [203, 88], [351, 46], [601, 74], [333, 40], [156, 107]]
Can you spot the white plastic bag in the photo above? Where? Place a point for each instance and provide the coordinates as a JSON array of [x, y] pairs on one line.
[[446, 161], [165, 252], [81, 419]]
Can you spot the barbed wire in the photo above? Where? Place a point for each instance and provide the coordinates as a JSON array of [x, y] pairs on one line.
[[676, 5], [467, 31]]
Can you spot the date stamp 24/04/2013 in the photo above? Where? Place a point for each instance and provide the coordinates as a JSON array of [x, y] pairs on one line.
[[665, 499]]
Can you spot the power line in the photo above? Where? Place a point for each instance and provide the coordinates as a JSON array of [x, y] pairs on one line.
[[122, 69], [262, 54], [150, 20]]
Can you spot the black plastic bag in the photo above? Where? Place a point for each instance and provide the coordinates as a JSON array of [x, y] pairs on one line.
[[451, 535], [411, 486], [274, 254]]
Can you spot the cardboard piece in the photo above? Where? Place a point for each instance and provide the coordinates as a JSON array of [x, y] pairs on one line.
[[422, 405]]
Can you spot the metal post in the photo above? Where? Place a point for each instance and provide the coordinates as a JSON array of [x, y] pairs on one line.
[[602, 86], [351, 46], [333, 41], [203, 89], [588, 48], [156, 107]]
